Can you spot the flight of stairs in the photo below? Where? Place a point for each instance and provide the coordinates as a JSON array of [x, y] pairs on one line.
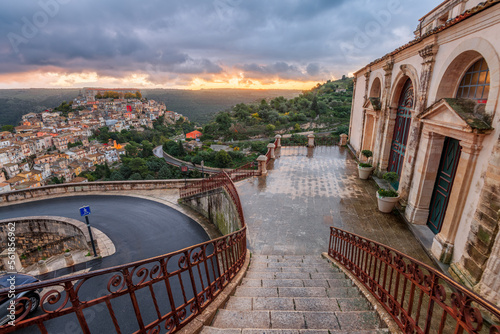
[[295, 295]]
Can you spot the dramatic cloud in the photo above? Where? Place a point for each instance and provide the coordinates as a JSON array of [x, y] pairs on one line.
[[197, 42]]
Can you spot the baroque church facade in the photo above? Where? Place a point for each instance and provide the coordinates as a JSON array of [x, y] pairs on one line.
[[429, 112]]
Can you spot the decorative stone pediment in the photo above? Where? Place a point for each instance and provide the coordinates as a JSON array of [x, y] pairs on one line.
[[372, 103], [459, 114]]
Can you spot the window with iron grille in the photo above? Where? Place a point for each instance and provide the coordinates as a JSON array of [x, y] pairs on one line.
[[475, 83]]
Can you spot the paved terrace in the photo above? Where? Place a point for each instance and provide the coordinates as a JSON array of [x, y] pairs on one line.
[[289, 212]]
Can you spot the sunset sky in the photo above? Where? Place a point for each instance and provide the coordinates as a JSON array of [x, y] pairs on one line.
[[197, 44]]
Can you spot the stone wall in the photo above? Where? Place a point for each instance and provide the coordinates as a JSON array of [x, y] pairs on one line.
[[38, 238], [70, 188], [218, 207], [481, 260]]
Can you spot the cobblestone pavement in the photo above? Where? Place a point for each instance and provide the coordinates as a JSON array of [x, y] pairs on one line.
[[289, 212]]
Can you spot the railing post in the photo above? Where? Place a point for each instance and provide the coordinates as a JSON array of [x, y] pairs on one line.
[[277, 141], [262, 165], [310, 140], [271, 147], [343, 140]]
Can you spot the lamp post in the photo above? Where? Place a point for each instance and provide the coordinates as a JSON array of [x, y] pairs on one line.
[[202, 165]]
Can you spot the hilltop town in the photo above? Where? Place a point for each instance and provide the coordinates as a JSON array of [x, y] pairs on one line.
[[57, 143]]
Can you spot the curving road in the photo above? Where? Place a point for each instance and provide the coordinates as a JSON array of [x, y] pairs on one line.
[[139, 228]]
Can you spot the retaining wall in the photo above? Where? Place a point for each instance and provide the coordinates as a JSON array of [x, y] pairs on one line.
[[217, 206], [40, 237]]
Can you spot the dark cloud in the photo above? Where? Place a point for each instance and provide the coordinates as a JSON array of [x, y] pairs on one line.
[[174, 40]]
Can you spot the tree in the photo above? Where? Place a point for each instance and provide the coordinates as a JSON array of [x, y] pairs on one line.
[[224, 121], [222, 159], [296, 127], [147, 149], [135, 176], [181, 151], [314, 106], [117, 176], [131, 149], [165, 173], [138, 95], [270, 129], [8, 127]]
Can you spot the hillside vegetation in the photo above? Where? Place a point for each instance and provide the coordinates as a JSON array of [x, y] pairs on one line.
[[198, 106], [325, 107]]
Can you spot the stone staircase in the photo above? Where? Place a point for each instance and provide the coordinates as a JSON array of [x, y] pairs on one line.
[[295, 295]]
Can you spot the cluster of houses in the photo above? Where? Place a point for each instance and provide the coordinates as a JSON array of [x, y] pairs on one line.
[[56, 144]]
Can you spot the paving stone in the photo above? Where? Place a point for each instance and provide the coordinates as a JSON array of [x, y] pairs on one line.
[[239, 303], [259, 275], [292, 276], [270, 331], [256, 292], [251, 283], [358, 320], [242, 319], [321, 320], [347, 292], [290, 319], [316, 304], [273, 303], [339, 282], [302, 292], [213, 330], [353, 304], [274, 283]]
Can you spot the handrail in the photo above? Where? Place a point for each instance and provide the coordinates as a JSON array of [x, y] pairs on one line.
[[189, 279], [419, 298]]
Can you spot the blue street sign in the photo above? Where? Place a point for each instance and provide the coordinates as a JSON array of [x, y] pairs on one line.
[[85, 211]]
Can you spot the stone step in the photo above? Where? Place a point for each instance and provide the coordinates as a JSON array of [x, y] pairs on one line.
[[293, 275], [297, 304], [272, 283], [335, 292], [323, 264], [213, 330], [361, 320], [303, 269]]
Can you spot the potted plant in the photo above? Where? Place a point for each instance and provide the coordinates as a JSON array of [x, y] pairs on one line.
[[365, 168], [387, 198]]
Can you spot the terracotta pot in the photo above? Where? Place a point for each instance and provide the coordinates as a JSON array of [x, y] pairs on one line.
[[364, 172], [386, 204]]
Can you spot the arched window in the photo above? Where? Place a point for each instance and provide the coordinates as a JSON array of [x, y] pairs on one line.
[[475, 83]]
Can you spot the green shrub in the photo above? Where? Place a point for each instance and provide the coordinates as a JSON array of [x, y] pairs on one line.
[[387, 193], [391, 177], [365, 165]]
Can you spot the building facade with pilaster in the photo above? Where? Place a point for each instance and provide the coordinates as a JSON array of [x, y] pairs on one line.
[[428, 112]]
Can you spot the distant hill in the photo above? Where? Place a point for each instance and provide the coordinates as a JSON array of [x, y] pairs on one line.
[[16, 102], [199, 106]]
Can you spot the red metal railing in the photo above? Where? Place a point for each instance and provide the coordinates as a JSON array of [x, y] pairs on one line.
[[419, 298], [218, 180], [161, 294]]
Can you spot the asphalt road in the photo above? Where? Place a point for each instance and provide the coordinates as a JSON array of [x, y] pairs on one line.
[[139, 228]]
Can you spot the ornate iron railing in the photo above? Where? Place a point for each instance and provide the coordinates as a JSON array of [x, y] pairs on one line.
[[419, 298], [157, 295]]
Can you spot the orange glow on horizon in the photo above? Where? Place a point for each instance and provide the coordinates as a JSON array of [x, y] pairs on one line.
[[55, 79]]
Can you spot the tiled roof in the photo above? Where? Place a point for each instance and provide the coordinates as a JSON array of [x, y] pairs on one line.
[[462, 17]]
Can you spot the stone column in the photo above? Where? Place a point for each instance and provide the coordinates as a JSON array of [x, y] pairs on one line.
[[262, 159], [378, 147], [428, 54], [427, 165], [270, 147], [442, 246], [343, 139], [310, 141], [278, 141]]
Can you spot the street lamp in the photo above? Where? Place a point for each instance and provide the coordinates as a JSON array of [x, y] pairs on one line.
[[202, 173]]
